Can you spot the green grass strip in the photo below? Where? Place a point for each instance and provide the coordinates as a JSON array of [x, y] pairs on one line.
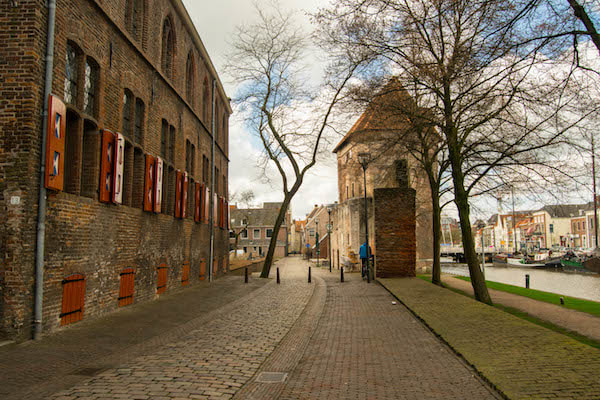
[[587, 306], [528, 317]]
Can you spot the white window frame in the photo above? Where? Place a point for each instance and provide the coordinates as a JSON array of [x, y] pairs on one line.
[[244, 234], [267, 233], [254, 236]]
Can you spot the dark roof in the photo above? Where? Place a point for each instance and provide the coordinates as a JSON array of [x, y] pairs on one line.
[[564, 210], [255, 216], [380, 114]]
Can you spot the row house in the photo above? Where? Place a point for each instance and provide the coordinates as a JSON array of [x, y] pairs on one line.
[[316, 228], [253, 228], [136, 159]]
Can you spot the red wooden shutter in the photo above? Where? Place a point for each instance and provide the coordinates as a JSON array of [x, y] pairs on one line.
[[202, 269], [73, 299], [197, 202], [158, 186], [178, 187], [184, 195], [126, 287], [149, 183], [55, 144], [161, 281], [118, 168], [227, 216], [185, 274], [107, 166]]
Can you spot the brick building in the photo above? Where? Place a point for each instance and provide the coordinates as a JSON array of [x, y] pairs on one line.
[[297, 241], [135, 98], [255, 228], [391, 168], [316, 222]]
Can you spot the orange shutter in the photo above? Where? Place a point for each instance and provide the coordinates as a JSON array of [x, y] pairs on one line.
[[185, 274], [107, 166], [161, 281], [55, 144], [197, 202], [215, 209], [202, 269], [73, 299], [178, 187], [126, 287], [149, 183]]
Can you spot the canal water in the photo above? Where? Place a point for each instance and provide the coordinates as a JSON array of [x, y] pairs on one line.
[[584, 286]]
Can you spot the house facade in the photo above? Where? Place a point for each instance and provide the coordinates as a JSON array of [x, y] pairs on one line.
[[391, 168], [134, 171], [254, 228]]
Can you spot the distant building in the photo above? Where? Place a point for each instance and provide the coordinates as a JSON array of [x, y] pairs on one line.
[[297, 241], [255, 226], [392, 168], [316, 222], [552, 224]]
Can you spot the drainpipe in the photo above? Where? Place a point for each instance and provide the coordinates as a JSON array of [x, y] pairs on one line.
[[41, 219], [212, 185]]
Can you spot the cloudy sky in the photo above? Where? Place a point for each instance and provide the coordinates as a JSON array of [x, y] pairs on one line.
[[216, 22]]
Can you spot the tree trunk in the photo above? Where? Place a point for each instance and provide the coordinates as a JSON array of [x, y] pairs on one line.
[[436, 270], [280, 218], [461, 199], [436, 228]]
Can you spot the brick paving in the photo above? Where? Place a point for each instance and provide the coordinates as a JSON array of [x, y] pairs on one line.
[[33, 370], [523, 360], [364, 347], [215, 360], [573, 320]]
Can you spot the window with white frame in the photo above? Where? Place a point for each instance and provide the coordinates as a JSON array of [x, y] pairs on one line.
[[269, 233], [256, 234], [244, 234]]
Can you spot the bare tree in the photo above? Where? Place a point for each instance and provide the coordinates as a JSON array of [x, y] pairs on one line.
[[244, 197], [472, 78], [268, 62]]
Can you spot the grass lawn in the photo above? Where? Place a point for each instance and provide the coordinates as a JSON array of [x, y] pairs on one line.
[[525, 316], [587, 306]]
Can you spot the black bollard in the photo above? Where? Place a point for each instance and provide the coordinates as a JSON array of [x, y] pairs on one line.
[[246, 275], [308, 274], [562, 301], [278, 281], [527, 281], [342, 274]]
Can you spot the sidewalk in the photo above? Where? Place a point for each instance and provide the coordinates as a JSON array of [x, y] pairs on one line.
[[37, 369], [523, 360], [573, 320]]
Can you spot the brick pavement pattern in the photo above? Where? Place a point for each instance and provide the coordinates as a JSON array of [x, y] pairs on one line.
[[523, 360], [37, 369], [364, 347], [573, 320], [214, 360]]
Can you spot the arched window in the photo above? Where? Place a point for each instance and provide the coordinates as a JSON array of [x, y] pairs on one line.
[[135, 17], [168, 48], [90, 87], [190, 78], [90, 168], [206, 102], [128, 101], [72, 60], [164, 138], [138, 129], [73, 143]]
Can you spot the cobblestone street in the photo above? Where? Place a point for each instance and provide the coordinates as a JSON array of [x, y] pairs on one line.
[[329, 340]]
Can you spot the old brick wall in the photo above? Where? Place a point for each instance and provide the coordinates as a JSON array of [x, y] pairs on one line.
[[83, 235], [22, 50], [395, 241]]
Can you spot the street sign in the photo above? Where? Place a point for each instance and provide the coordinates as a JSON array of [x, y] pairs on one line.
[[307, 245], [329, 228]]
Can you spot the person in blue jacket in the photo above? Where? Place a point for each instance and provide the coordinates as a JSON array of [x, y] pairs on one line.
[[362, 253]]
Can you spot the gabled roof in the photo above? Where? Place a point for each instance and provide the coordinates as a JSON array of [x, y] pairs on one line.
[[563, 210], [380, 115]]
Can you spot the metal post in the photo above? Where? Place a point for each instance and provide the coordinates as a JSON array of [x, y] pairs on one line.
[[329, 230], [527, 281], [514, 221], [595, 201], [308, 274], [482, 256], [212, 184], [366, 221], [278, 281], [41, 217], [342, 274], [317, 241], [246, 275]]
